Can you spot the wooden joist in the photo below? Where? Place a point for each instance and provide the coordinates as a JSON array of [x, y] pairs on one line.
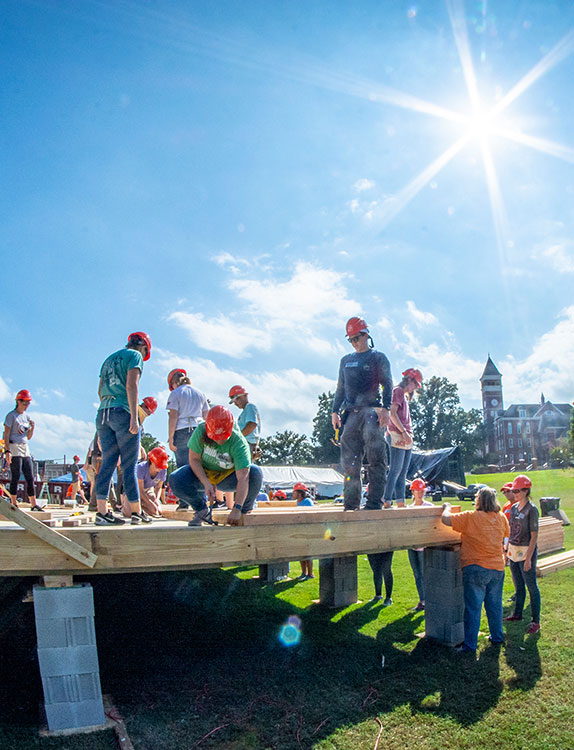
[[550, 535], [556, 562], [44, 534], [172, 545]]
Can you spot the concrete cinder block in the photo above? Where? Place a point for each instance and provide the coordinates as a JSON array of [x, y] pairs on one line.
[[453, 634], [447, 596], [338, 581], [71, 660], [435, 578], [70, 715], [73, 601], [72, 688], [442, 558], [69, 631], [273, 571]]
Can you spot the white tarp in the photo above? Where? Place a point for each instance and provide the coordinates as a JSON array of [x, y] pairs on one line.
[[327, 482]]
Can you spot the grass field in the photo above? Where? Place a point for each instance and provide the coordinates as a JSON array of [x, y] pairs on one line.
[[194, 660]]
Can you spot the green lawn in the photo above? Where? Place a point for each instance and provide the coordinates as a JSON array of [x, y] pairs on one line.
[[194, 660]]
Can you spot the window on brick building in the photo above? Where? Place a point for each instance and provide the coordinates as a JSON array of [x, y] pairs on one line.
[[510, 428], [510, 443], [520, 442], [522, 413], [528, 427], [518, 428]]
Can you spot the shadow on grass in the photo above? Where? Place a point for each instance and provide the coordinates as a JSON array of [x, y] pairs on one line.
[[196, 657]]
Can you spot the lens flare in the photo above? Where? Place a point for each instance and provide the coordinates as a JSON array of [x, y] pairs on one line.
[[290, 633]]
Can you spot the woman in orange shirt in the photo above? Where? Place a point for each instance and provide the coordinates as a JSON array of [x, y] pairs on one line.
[[483, 531]]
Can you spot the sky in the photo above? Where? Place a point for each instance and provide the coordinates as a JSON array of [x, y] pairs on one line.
[[238, 179]]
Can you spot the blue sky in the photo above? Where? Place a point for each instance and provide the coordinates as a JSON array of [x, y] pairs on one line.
[[238, 179]]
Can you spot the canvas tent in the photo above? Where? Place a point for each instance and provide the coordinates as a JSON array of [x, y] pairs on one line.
[[443, 465], [327, 482]]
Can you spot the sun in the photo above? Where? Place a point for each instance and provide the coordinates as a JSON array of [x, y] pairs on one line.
[[481, 123]]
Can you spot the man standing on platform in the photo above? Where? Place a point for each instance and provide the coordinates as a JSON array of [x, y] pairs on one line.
[[358, 396]]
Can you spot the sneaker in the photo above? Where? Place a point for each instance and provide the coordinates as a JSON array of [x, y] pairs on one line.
[[200, 516], [534, 627], [513, 618], [108, 519], [37, 509], [144, 517], [136, 518], [512, 598], [464, 650], [495, 643], [183, 507], [387, 602], [377, 598], [420, 606]]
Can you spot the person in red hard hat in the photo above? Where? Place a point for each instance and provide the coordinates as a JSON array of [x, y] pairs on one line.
[[400, 437], [76, 486], [18, 430], [362, 374], [219, 457], [118, 425], [151, 475], [279, 495], [416, 555], [249, 421], [511, 498], [303, 498], [522, 551], [186, 407]]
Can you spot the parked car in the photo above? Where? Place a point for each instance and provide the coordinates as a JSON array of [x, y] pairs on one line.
[[468, 493]]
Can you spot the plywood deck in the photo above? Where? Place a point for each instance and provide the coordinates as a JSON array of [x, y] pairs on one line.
[[267, 536]]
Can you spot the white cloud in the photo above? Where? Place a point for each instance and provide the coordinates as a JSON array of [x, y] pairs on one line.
[[222, 334], [419, 317], [561, 257], [231, 262], [5, 391], [364, 184], [287, 398], [56, 435]]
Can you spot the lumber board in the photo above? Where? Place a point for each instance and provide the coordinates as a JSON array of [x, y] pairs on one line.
[[554, 563], [50, 537], [175, 546]]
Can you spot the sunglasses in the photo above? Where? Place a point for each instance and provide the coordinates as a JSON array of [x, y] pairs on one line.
[[356, 338], [516, 492]]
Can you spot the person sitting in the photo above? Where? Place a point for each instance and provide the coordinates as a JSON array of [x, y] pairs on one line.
[[218, 456], [279, 495], [151, 475]]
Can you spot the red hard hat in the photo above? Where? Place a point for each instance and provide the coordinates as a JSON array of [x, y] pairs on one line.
[[237, 390], [521, 482], [415, 375], [151, 403], [219, 423], [355, 326], [23, 395], [144, 339], [76, 458], [159, 457], [418, 484], [507, 486], [172, 373], [300, 486], [280, 494]]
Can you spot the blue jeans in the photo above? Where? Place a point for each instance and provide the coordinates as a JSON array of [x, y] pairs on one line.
[[117, 441], [482, 585], [189, 490], [180, 439], [416, 559], [362, 435], [381, 563], [398, 466], [523, 579]]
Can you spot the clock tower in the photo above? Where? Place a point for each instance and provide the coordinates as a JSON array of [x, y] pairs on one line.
[[492, 406]]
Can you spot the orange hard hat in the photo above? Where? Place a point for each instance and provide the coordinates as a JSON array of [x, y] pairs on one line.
[[172, 373], [280, 494], [300, 486], [415, 375], [150, 403], [505, 487], [159, 457], [219, 423], [237, 390], [23, 395], [418, 484], [355, 326], [139, 337], [521, 482]]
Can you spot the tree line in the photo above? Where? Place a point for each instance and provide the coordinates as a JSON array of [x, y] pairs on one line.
[[439, 421]]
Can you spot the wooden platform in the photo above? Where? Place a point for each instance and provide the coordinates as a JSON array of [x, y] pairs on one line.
[[269, 535], [556, 562], [550, 535]]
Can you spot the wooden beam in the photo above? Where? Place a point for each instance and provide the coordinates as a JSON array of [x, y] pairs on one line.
[[47, 535], [175, 546]]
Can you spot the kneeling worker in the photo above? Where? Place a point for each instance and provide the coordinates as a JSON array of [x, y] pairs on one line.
[[218, 456]]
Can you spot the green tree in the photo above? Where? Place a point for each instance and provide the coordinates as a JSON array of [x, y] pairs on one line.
[[286, 448], [325, 451], [439, 420]]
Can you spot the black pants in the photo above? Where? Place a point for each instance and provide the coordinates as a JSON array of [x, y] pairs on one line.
[[18, 465], [362, 436], [381, 566]]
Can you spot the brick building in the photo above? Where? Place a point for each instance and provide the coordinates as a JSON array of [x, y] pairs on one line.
[[522, 431]]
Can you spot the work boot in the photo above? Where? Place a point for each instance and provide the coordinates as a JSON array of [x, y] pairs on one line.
[[203, 515]]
